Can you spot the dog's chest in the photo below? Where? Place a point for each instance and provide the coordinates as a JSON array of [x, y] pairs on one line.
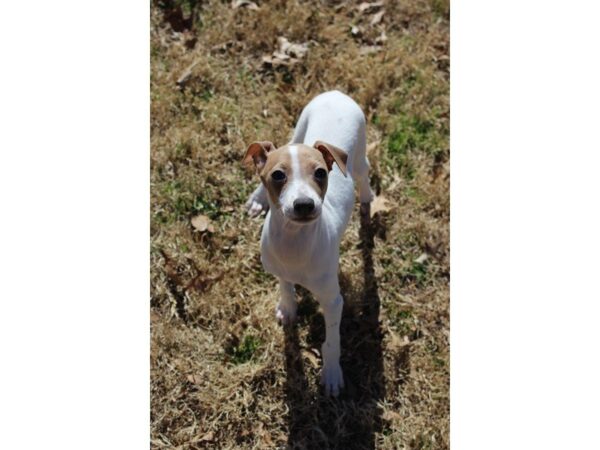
[[298, 259]]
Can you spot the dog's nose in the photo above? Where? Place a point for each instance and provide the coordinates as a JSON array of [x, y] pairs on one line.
[[304, 206]]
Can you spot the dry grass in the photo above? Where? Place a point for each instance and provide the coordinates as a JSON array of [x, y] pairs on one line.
[[224, 375]]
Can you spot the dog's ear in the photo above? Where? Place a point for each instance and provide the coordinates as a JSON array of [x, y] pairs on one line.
[[332, 153], [257, 153]]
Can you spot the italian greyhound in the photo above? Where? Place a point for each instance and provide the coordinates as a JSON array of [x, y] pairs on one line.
[[307, 187]]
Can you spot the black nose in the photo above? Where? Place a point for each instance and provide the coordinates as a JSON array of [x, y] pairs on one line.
[[304, 206]]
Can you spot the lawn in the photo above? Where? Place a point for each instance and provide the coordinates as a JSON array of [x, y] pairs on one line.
[[224, 374]]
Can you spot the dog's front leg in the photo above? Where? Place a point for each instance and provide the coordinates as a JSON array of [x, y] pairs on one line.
[[257, 202], [286, 309], [332, 377]]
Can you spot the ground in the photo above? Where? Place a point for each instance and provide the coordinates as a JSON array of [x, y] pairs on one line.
[[223, 373]]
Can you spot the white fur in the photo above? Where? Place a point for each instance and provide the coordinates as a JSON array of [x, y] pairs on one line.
[[308, 254], [298, 188]]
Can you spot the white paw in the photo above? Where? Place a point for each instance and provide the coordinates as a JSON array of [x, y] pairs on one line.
[[285, 314], [254, 208], [257, 202], [333, 379]]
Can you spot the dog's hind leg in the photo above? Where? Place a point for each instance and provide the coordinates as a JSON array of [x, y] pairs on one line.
[[361, 173], [257, 202]]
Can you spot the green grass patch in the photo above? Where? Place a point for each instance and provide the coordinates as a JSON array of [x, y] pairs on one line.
[[246, 350], [402, 320], [417, 273]]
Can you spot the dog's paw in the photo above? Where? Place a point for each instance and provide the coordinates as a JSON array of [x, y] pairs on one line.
[[285, 314], [332, 379], [254, 208], [257, 203]]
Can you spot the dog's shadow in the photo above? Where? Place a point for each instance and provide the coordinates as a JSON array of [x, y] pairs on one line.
[[351, 420]]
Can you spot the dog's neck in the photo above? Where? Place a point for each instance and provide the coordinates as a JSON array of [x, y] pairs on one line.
[[294, 230], [295, 244]]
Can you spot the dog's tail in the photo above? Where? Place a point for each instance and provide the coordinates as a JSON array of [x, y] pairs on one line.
[[300, 130]]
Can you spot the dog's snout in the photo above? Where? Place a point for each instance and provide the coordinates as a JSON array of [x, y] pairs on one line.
[[304, 206]]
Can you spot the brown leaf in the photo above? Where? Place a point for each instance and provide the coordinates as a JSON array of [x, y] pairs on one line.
[[381, 39], [377, 17], [202, 223], [368, 8], [287, 54], [380, 204], [194, 379], [208, 437], [422, 258], [186, 75], [201, 283], [368, 49], [295, 50], [311, 358], [244, 3], [390, 415], [372, 146]]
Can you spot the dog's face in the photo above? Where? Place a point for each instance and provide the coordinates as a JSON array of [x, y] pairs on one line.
[[296, 176]]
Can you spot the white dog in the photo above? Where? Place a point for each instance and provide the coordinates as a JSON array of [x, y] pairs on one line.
[[307, 187]]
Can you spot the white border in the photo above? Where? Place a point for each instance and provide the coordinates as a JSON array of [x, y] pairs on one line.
[[525, 225], [74, 240]]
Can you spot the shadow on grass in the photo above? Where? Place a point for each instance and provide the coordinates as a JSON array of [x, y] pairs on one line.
[[351, 420]]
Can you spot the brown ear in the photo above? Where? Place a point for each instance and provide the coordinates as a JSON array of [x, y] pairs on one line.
[[332, 153], [257, 152]]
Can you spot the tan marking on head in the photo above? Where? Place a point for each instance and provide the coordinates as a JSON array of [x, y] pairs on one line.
[[257, 153], [279, 159], [298, 164], [332, 154], [310, 160]]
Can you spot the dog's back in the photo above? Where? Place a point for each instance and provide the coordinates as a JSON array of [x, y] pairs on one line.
[[335, 118]]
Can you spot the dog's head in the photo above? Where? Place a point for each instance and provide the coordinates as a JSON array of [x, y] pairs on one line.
[[296, 175]]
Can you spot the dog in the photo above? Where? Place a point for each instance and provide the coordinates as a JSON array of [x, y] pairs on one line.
[[307, 189]]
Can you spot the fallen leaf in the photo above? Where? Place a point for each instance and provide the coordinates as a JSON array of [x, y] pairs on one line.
[[381, 39], [202, 223], [311, 358], [372, 146], [201, 283], [287, 54], [368, 8], [377, 17], [369, 49], [186, 75], [295, 50], [244, 4], [422, 258], [379, 204], [208, 437], [194, 379], [390, 415]]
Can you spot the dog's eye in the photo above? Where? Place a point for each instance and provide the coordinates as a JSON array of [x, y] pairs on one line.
[[278, 175], [320, 173]]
